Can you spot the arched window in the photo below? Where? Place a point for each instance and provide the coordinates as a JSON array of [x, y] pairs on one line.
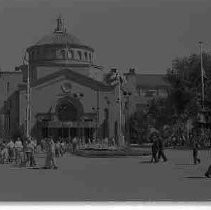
[[32, 55], [85, 56], [63, 54], [72, 54], [79, 55]]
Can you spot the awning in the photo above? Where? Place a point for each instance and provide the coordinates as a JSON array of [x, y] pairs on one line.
[[58, 124]]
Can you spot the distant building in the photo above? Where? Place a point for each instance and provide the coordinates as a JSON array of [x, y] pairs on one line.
[[145, 87]]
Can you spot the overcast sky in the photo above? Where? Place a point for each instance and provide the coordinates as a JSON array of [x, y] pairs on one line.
[[145, 34]]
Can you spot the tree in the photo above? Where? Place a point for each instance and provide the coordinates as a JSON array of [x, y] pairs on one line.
[[185, 80], [138, 126]]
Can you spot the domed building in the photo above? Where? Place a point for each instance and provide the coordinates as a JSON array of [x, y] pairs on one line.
[[68, 93], [61, 48], [68, 96]]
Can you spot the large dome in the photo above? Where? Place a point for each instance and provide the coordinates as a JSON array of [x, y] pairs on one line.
[[58, 39], [60, 46]]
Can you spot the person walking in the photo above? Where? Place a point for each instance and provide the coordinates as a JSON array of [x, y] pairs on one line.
[[18, 151], [74, 144], [50, 158], [63, 147], [4, 153], [195, 153], [208, 172], [154, 149], [58, 149], [10, 147], [28, 152], [161, 149]]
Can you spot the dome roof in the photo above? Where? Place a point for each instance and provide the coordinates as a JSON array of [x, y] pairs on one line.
[[59, 38]]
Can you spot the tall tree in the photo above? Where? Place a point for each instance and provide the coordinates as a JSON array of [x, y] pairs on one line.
[[185, 80]]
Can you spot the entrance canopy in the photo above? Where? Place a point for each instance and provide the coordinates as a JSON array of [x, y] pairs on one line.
[[58, 124]]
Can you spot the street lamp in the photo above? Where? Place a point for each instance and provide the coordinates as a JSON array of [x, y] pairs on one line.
[[95, 110]]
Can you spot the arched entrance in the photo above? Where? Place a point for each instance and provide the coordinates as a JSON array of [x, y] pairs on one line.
[[68, 112], [69, 120]]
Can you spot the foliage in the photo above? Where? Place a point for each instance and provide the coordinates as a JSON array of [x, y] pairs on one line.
[[184, 97], [185, 79]]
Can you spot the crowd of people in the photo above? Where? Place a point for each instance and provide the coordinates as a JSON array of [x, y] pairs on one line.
[[21, 152], [18, 151]]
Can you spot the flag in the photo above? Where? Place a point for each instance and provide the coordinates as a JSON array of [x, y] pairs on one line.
[[112, 78], [204, 73]]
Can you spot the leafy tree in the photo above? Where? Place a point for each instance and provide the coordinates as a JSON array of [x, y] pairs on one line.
[[185, 80]]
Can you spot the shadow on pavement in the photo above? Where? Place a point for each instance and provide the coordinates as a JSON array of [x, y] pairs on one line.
[[146, 161], [196, 177], [184, 164]]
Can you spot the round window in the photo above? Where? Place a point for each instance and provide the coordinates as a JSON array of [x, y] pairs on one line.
[[66, 111]]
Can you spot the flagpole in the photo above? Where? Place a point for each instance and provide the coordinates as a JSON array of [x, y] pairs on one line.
[[202, 74]]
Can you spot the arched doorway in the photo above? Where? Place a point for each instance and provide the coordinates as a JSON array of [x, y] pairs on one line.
[[68, 111]]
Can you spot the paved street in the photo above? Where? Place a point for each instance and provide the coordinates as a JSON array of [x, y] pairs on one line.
[[103, 179]]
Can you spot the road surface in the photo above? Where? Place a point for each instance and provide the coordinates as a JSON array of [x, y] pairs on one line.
[[110, 179]]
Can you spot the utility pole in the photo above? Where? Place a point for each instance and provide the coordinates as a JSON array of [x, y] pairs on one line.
[[202, 74], [28, 108], [25, 68]]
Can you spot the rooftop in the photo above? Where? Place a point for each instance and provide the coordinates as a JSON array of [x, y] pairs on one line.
[[151, 80]]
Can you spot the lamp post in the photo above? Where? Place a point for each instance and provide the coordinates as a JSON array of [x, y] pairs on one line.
[[96, 123], [26, 68]]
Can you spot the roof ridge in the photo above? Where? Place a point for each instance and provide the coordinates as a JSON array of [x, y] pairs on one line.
[[78, 78]]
